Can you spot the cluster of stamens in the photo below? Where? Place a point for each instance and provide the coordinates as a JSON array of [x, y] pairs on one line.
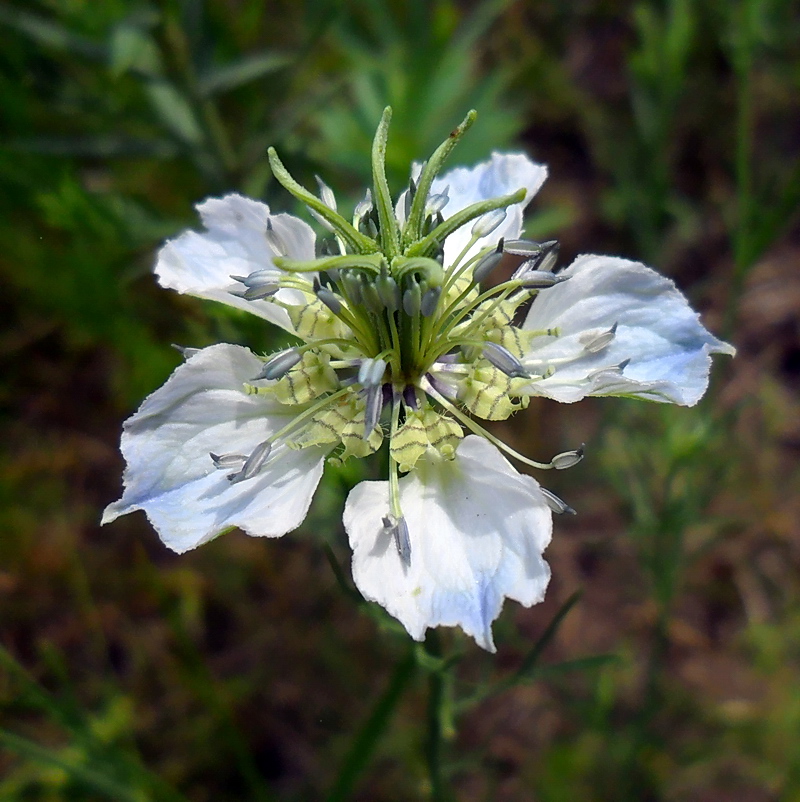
[[387, 324]]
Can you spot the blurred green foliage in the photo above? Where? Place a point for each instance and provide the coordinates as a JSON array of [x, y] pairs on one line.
[[253, 670]]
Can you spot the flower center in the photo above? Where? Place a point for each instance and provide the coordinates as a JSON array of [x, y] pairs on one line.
[[393, 315]]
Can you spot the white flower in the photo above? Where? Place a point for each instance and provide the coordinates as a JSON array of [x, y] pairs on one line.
[[398, 341]]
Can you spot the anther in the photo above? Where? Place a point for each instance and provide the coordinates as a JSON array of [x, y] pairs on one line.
[[488, 222], [370, 372], [279, 365], [556, 504], [253, 464], [437, 202], [430, 301], [226, 462], [352, 286], [486, 265], [275, 240], [537, 279], [504, 360], [363, 207], [522, 247], [412, 299], [398, 529], [596, 344], [547, 258], [326, 194], [260, 278], [373, 409], [432, 222], [328, 298], [409, 198], [388, 292], [370, 296], [185, 351], [568, 458]]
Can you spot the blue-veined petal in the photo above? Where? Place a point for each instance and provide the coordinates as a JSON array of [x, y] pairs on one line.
[[503, 174], [202, 410], [236, 243], [650, 330], [477, 529]]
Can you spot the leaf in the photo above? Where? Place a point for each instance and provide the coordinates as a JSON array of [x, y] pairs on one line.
[[363, 746], [133, 49], [90, 777], [50, 34], [240, 72], [175, 112]]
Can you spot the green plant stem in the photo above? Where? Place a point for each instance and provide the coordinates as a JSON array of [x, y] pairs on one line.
[[742, 237], [434, 743], [205, 108], [364, 744]]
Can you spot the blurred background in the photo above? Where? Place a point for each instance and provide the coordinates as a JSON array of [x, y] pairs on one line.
[[663, 664]]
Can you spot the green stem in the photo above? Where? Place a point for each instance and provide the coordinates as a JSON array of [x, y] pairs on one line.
[[434, 742], [363, 747]]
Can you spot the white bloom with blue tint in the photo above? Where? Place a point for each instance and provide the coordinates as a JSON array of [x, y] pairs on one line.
[[399, 342]]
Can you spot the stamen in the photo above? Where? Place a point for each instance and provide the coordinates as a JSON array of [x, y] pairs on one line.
[[537, 279], [568, 458], [398, 529], [370, 372], [253, 464], [329, 299], [257, 293], [409, 198], [373, 409], [388, 292], [437, 202], [280, 364], [363, 207], [596, 344], [486, 265], [556, 504], [427, 385], [186, 352], [258, 278], [548, 257], [226, 462], [412, 299], [430, 301], [352, 286], [275, 240], [504, 360], [326, 194], [523, 247], [484, 226]]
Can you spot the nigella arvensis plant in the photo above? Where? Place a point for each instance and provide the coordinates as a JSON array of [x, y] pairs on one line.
[[400, 342]]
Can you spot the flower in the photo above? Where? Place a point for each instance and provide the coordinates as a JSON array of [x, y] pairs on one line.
[[400, 341]]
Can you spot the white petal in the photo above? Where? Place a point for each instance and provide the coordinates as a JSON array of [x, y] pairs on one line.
[[503, 174], [202, 408], [233, 245], [668, 348], [477, 530]]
